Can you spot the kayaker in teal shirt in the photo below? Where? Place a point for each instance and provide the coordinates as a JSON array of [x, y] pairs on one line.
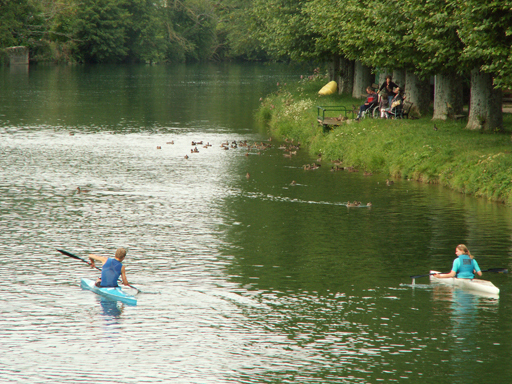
[[464, 266], [112, 269]]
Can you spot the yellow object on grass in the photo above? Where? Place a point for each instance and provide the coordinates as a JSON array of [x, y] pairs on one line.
[[329, 88]]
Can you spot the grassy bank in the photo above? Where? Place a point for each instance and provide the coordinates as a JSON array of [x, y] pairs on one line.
[[471, 162]]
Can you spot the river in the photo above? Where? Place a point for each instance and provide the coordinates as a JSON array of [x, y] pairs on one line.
[[253, 270]]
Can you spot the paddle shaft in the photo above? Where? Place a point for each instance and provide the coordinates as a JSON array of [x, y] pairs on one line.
[[86, 262]]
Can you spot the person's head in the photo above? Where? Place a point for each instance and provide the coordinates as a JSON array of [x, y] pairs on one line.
[[388, 79], [120, 254], [369, 89], [461, 249]]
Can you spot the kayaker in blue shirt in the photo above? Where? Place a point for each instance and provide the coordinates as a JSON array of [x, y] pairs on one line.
[[111, 270], [464, 266]]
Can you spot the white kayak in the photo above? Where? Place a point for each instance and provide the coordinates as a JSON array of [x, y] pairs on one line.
[[469, 284]]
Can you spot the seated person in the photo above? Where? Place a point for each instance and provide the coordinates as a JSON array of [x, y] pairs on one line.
[[370, 100], [395, 102]]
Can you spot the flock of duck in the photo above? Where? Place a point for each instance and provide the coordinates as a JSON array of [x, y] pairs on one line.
[[290, 149]]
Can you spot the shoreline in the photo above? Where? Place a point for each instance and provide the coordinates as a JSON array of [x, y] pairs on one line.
[[470, 162]]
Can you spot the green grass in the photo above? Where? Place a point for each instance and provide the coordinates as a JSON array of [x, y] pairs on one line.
[[472, 162]]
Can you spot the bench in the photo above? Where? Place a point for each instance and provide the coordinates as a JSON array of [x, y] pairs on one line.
[[328, 121]]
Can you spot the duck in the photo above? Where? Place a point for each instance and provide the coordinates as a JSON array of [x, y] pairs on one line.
[[170, 142], [369, 204], [389, 182], [80, 190], [186, 156], [368, 173], [247, 175], [350, 205], [158, 147], [293, 182]]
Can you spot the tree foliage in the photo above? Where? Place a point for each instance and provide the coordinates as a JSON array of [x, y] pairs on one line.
[[424, 36]]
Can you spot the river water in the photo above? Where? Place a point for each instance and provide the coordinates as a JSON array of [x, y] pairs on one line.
[[246, 278]]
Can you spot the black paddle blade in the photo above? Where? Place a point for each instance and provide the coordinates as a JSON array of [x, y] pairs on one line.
[[69, 254], [496, 270]]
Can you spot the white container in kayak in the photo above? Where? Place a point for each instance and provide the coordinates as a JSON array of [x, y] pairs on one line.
[[469, 284]]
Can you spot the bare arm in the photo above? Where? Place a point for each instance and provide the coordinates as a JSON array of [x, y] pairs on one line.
[[93, 257], [446, 275], [123, 276]]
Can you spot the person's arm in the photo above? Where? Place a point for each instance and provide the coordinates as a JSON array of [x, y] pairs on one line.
[[123, 276], [477, 270], [446, 275], [453, 272], [93, 257]]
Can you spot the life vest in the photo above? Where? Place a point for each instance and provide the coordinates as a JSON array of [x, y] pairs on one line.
[[466, 267], [110, 272]]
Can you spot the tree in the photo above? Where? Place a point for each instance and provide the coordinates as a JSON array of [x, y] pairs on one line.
[[145, 38], [100, 30], [20, 22], [486, 32]]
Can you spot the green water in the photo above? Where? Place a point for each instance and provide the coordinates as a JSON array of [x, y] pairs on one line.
[[257, 280]]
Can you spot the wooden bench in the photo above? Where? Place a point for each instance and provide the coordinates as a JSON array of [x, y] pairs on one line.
[[328, 121]]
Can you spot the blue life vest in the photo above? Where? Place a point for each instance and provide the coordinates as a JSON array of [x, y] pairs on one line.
[[466, 267], [110, 273]]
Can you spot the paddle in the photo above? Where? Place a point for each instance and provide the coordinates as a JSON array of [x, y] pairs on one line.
[[86, 262], [495, 270]]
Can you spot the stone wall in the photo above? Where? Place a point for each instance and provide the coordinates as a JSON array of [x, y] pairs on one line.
[[18, 55]]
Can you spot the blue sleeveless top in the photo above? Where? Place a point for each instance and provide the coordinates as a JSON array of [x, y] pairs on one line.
[[110, 272]]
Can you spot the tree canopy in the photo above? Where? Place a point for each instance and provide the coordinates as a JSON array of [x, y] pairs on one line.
[[424, 36]]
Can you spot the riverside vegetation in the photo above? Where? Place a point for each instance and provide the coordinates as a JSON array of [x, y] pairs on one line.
[[472, 162]]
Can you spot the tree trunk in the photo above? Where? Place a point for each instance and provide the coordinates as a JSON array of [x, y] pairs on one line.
[[448, 96], [417, 92], [346, 77], [485, 108], [383, 72], [399, 78], [362, 78], [334, 69]]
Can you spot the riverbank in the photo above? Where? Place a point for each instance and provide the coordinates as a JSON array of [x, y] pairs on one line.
[[470, 162]]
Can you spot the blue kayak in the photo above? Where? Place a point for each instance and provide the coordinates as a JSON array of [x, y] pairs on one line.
[[110, 293]]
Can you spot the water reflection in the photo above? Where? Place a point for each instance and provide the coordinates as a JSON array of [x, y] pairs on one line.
[[111, 309], [465, 310]]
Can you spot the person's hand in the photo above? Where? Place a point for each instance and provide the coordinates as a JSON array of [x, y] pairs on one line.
[[92, 263]]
